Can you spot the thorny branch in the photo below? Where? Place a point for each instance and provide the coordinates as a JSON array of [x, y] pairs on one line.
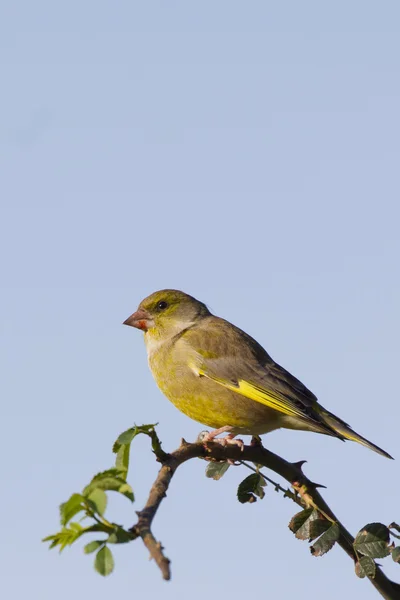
[[291, 472]]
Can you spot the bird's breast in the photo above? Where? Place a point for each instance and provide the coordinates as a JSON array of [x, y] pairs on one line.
[[204, 400]]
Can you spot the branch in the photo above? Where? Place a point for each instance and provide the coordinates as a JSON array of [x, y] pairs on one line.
[[257, 454]]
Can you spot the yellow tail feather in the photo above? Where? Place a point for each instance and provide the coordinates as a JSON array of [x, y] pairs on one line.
[[344, 430]]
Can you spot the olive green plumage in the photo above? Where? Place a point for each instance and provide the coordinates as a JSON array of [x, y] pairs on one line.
[[219, 376]]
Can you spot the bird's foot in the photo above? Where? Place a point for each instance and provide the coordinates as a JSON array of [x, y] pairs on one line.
[[227, 440], [211, 436]]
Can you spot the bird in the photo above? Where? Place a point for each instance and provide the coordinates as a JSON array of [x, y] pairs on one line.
[[220, 376]]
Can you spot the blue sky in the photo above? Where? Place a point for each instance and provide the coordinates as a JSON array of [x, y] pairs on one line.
[[249, 155]]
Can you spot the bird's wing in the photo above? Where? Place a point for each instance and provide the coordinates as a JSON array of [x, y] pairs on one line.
[[235, 361], [261, 387]]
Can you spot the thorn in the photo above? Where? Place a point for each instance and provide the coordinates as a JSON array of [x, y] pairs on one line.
[[184, 443], [256, 441], [318, 485], [299, 464]]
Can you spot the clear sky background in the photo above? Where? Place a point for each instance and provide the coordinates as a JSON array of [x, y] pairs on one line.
[[247, 153]]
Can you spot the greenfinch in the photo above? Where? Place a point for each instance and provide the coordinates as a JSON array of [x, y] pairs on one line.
[[221, 377]]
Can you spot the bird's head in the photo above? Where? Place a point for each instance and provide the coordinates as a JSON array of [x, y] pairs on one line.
[[167, 313]]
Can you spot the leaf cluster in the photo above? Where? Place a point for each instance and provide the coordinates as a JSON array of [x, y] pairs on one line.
[[372, 541], [375, 541], [311, 525], [91, 505]]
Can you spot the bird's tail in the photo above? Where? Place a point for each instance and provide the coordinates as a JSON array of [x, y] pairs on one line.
[[345, 431]]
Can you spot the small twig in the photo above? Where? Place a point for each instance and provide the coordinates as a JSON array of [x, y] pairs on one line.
[[157, 493], [156, 446]]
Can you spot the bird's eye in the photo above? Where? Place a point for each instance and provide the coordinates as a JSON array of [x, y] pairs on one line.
[[162, 305]]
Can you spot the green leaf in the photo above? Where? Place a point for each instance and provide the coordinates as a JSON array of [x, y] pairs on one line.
[[309, 525], [98, 501], [397, 528], [92, 546], [215, 470], [122, 445], [396, 554], [122, 458], [70, 508], [373, 540], [301, 522], [318, 527], [54, 539], [251, 487], [99, 527], [120, 536], [126, 437], [326, 541], [69, 535], [149, 428], [65, 537], [112, 479], [104, 562], [365, 567]]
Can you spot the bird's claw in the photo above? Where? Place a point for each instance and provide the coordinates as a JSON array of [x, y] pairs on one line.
[[227, 440]]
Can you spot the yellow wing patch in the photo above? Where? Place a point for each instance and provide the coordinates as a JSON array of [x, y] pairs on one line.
[[254, 392], [269, 398]]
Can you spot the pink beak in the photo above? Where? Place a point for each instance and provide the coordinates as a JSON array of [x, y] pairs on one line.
[[140, 319]]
